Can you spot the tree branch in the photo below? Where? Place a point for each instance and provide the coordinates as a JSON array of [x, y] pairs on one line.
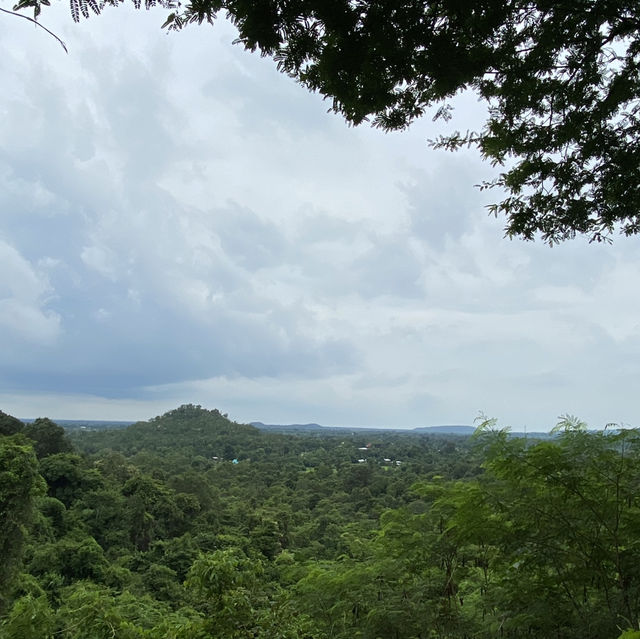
[[20, 15]]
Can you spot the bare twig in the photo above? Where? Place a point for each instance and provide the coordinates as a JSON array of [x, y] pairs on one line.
[[51, 33]]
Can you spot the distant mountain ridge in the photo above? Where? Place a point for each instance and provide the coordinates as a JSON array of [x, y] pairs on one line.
[[179, 418], [104, 424], [451, 429]]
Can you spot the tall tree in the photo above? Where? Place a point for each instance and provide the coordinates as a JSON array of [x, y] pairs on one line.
[[562, 519], [20, 485], [9, 425], [48, 437]]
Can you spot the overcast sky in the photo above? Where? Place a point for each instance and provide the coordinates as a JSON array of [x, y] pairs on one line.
[[180, 223]]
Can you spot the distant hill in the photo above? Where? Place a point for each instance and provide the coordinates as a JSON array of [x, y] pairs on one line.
[[189, 428], [317, 428], [448, 429], [287, 428], [188, 417]]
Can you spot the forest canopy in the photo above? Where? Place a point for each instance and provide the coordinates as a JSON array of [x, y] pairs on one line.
[[560, 80], [190, 525]]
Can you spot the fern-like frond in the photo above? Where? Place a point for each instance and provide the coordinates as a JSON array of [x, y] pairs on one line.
[[74, 5], [94, 6]]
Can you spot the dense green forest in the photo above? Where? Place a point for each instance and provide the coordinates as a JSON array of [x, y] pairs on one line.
[[192, 526]]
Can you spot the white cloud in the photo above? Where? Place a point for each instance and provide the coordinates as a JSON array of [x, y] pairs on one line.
[[24, 293], [100, 259], [182, 223]]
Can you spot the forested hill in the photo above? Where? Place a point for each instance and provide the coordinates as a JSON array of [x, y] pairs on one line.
[[192, 428], [190, 525]]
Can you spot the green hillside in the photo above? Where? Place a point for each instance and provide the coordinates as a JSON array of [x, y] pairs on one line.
[[189, 428]]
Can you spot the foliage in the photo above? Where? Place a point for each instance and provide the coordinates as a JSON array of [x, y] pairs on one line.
[[299, 540], [9, 425], [30, 618], [48, 437], [20, 485], [554, 525], [560, 82]]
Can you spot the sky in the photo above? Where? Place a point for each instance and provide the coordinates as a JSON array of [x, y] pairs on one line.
[[179, 223]]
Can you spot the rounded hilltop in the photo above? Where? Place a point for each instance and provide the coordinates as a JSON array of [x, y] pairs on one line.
[[189, 428]]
